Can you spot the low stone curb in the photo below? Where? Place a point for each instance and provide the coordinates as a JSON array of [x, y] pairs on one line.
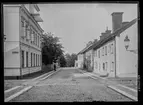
[[123, 93], [26, 89], [116, 89]]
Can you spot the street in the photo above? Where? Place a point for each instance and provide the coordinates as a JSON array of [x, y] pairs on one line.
[[69, 85]]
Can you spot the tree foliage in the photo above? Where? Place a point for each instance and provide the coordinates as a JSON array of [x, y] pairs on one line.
[[51, 48], [70, 59], [62, 61]]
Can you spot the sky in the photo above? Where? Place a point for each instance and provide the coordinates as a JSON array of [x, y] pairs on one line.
[[77, 24]]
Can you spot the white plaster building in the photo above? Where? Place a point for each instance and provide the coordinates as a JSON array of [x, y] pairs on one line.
[[22, 50], [79, 62], [109, 55]]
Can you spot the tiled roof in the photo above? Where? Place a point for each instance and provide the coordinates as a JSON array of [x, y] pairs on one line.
[[109, 37]]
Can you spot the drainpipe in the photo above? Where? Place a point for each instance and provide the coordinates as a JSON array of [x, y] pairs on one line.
[[20, 43]]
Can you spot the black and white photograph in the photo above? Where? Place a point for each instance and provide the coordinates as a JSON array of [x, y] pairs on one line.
[[71, 52]]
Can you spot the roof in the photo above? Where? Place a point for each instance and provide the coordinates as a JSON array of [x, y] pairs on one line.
[[85, 48], [32, 18], [109, 37]]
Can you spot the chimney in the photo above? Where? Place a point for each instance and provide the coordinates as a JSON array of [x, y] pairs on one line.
[[95, 40], [106, 33], [116, 20]]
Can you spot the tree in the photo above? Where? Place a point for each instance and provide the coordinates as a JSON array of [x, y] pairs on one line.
[[73, 58], [51, 48], [70, 59], [62, 61]]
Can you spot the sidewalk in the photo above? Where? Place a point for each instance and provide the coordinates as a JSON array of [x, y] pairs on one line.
[[113, 84]]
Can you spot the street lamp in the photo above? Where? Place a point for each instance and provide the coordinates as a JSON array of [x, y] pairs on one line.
[[4, 37], [127, 41]]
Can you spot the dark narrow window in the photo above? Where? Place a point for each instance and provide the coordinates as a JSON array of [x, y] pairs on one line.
[[34, 60], [26, 59], [111, 48], [99, 53], [103, 66], [22, 59], [38, 60], [31, 59], [105, 50]]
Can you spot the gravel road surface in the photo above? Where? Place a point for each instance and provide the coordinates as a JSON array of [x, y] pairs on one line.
[[69, 85]]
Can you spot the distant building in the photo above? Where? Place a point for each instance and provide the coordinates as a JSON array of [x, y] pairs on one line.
[[22, 50], [109, 55]]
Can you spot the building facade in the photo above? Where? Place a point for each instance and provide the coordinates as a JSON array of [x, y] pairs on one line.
[[109, 56], [22, 53], [104, 59]]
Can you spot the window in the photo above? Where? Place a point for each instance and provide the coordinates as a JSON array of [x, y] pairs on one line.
[[22, 22], [22, 27], [30, 34], [99, 66], [105, 50], [22, 59], [96, 65], [112, 66], [26, 27], [26, 59], [99, 53], [111, 48], [106, 66], [34, 60], [103, 66], [95, 53], [36, 38], [33, 37], [31, 60], [37, 60], [38, 41], [40, 60]]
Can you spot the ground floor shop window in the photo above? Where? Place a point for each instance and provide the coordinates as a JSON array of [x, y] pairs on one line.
[[34, 60], [26, 59], [22, 54]]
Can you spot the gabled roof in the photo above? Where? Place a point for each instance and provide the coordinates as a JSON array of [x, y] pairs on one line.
[[109, 37], [85, 48]]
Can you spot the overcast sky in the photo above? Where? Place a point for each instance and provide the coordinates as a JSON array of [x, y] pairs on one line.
[[76, 24]]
